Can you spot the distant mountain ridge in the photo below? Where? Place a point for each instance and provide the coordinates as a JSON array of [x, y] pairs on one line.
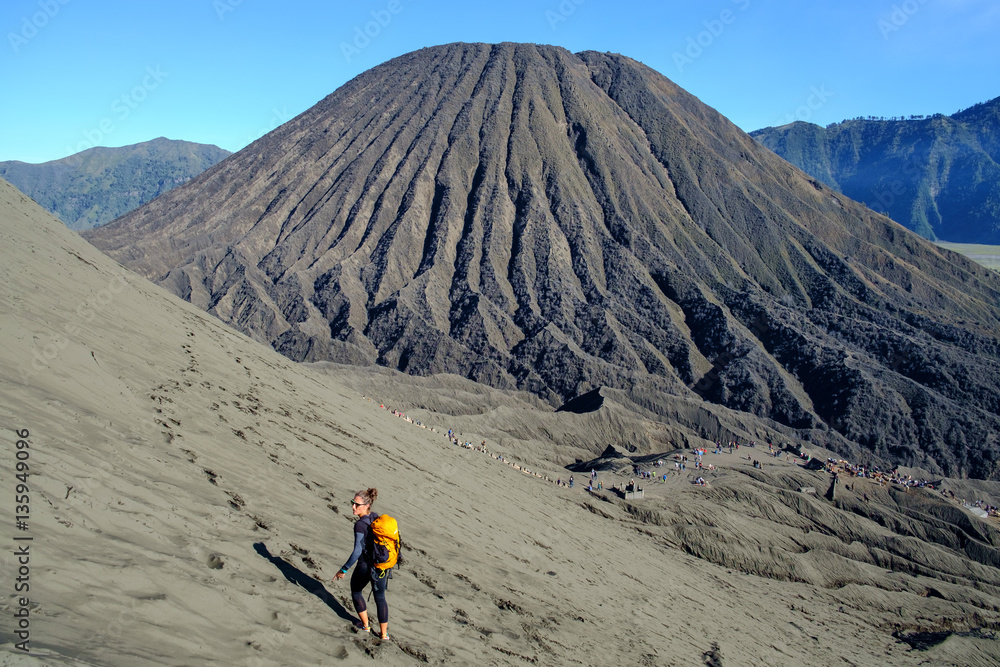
[[95, 186], [938, 175]]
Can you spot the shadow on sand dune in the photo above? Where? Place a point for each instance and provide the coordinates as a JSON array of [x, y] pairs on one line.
[[300, 578]]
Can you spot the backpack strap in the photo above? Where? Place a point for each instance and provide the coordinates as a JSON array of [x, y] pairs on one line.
[[366, 550]]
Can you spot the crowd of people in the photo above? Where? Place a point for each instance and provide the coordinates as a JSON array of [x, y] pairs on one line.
[[888, 477], [991, 510], [880, 477]]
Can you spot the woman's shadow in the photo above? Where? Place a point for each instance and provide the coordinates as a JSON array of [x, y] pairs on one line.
[[300, 578]]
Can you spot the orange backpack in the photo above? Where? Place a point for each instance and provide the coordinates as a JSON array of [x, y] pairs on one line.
[[385, 542]]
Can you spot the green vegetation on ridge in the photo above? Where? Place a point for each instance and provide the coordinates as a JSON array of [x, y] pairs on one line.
[[937, 175], [95, 186]]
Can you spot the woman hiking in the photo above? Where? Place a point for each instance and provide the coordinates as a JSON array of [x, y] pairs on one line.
[[363, 573]]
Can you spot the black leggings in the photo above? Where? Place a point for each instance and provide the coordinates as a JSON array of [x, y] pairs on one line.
[[361, 577]]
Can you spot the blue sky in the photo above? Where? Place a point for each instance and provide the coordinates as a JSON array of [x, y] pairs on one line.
[[74, 74]]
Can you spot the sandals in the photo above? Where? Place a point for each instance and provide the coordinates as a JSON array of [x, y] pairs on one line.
[[370, 629]]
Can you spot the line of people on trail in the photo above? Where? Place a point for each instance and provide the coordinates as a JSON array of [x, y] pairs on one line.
[[481, 448], [593, 485]]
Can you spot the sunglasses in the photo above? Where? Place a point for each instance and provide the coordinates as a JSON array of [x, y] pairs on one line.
[[357, 504]]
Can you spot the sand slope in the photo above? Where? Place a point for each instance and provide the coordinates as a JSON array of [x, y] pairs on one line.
[[189, 505]]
